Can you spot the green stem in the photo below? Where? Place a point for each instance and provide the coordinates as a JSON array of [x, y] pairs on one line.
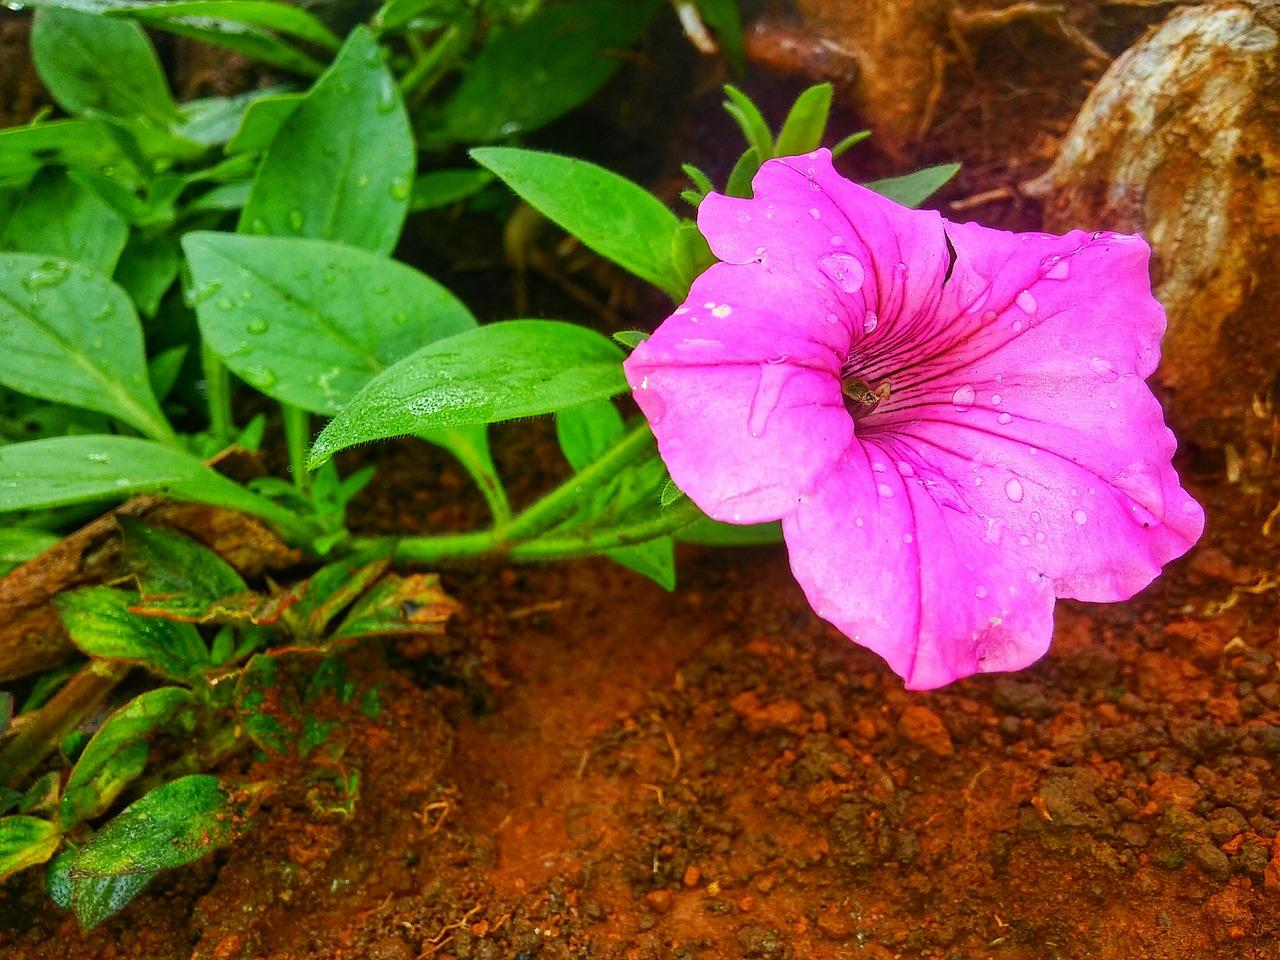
[[432, 65], [569, 494], [297, 437], [217, 384], [588, 543]]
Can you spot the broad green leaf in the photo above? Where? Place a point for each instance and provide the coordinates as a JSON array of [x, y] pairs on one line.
[[342, 165], [262, 121], [309, 322], [752, 123], [913, 189], [92, 785], [93, 899], [439, 188], [167, 563], [147, 268], [99, 622], [98, 67], [517, 368], [67, 333], [19, 544], [709, 533], [213, 121], [96, 794], [277, 17], [171, 826], [59, 217], [66, 470], [242, 38], [42, 796], [164, 368], [610, 214], [585, 432], [334, 587], [25, 842], [80, 144], [802, 130], [528, 74], [224, 197], [394, 14]]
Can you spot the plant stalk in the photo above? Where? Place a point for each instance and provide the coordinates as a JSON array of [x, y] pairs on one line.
[[217, 384], [297, 437]]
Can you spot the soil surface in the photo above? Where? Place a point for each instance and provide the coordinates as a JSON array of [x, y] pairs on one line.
[[588, 767]]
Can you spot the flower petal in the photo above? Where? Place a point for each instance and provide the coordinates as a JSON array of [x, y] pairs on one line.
[[741, 386], [885, 560]]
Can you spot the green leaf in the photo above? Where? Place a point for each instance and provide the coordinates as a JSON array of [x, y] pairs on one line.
[[398, 606], [167, 564], [163, 369], [59, 217], [440, 188], [171, 826], [147, 269], [98, 67], [277, 17], [528, 74], [109, 760], [740, 177], [248, 41], [394, 14], [262, 121], [309, 322], [517, 368], [99, 622], [803, 129], [25, 842], [750, 120], [613, 216], [670, 494], [723, 17], [852, 140], [79, 144], [334, 587], [630, 338], [342, 164], [18, 545], [225, 196], [213, 121], [587, 431], [71, 335], [94, 899], [913, 189], [66, 470]]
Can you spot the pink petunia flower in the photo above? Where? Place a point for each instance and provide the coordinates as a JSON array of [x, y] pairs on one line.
[[952, 422]]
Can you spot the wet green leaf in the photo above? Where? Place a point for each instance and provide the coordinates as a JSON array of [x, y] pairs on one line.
[[277, 17], [517, 368], [528, 74], [913, 189], [342, 165], [334, 587], [171, 826], [66, 470], [69, 334], [93, 899], [398, 606], [98, 67], [100, 623], [440, 188], [262, 121], [610, 214], [147, 269], [25, 842], [743, 172], [749, 119], [57, 216], [213, 121], [174, 572], [309, 322]]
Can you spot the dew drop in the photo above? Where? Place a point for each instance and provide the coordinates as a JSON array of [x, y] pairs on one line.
[[857, 521], [905, 468], [224, 304], [836, 240], [1055, 268], [832, 319], [1004, 418], [996, 399], [907, 538], [1099, 365], [262, 378], [1026, 302], [399, 319], [884, 490], [1017, 326], [844, 270], [963, 398], [256, 325], [1080, 517], [878, 467], [721, 311], [980, 592], [295, 220], [815, 213], [400, 189], [870, 322], [97, 458], [1013, 490]]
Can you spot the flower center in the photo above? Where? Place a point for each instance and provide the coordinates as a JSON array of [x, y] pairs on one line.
[[859, 398]]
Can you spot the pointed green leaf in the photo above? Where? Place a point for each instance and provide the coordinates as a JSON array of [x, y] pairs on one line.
[[99, 622], [262, 121], [167, 563], [518, 368], [743, 172], [803, 129], [277, 17], [613, 216], [93, 899], [69, 334], [750, 120], [342, 165], [57, 216], [913, 189], [25, 842]]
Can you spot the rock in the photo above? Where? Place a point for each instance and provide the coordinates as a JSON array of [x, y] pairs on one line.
[[1022, 699], [924, 728], [1069, 799], [1180, 140], [835, 923], [659, 901]]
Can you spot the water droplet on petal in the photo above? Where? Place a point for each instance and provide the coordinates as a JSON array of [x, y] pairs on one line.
[[815, 213], [1013, 490], [884, 490], [836, 240], [721, 311], [844, 269], [905, 468], [1004, 418], [907, 538], [878, 467], [996, 398], [870, 322], [1099, 365], [832, 319], [1055, 268], [980, 592], [1026, 302], [963, 398], [1080, 517], [773, 377]]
